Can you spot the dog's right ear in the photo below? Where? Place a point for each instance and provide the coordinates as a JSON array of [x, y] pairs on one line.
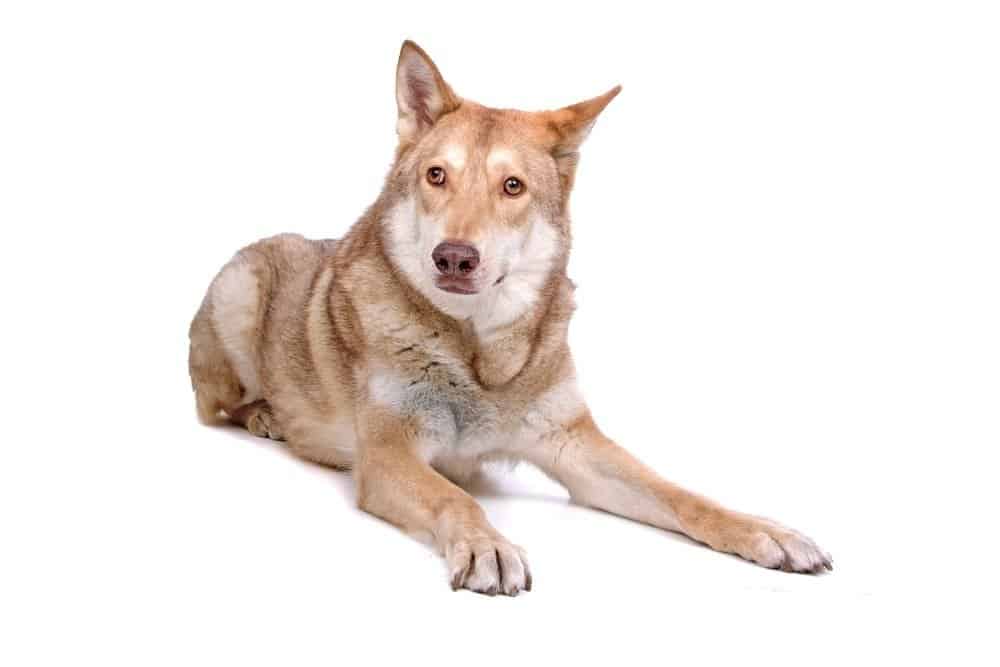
[[422, 95]]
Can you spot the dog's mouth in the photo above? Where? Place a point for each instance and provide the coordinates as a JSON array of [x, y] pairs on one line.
[[457, 285]]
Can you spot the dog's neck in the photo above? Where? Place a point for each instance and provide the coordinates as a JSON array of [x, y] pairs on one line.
[[507, 351]]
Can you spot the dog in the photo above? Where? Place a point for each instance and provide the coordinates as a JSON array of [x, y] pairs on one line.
[[432, 338]]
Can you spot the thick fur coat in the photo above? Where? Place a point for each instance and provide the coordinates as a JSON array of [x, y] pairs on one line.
[[432, 338]]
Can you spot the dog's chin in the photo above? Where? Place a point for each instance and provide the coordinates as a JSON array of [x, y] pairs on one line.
[[457, 285]]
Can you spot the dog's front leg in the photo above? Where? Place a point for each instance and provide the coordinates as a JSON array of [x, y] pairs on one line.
[[398, 485], [599, 473]]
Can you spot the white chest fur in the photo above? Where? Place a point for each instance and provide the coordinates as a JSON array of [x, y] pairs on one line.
[[459, 421], [425, 374]]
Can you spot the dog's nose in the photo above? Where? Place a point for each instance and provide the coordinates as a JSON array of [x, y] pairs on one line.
[[455, 259]]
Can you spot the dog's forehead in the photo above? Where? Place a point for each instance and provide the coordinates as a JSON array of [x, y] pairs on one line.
[[492, 138]]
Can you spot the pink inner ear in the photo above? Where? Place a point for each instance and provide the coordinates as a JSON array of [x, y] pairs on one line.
[[418, 96]]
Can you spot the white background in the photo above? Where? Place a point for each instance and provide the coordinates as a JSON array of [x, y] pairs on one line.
[[787, 255]]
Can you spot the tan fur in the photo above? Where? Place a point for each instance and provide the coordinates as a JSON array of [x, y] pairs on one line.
[[347, 351]]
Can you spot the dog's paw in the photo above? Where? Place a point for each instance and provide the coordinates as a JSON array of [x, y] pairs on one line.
[[772, 545], [488, 564], [262, 424]]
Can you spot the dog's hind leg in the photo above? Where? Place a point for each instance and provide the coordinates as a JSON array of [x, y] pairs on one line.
[[217, 387], [257, 418], [225, 337]]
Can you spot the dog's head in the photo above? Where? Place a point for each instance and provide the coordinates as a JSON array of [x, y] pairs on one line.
[[478, 219]]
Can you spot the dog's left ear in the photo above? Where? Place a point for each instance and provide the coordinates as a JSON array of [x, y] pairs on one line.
[[422, 95], [571, 125]]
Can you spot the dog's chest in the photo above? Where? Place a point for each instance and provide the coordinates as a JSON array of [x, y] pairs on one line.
[[428, 374]]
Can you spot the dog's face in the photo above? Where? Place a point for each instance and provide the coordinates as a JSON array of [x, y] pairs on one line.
[[479, 219]]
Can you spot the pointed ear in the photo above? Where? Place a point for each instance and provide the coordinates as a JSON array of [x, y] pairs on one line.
[[422, 95], [571, 125]]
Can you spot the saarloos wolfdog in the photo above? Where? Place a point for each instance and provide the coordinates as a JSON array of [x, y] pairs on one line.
[[432, 338]]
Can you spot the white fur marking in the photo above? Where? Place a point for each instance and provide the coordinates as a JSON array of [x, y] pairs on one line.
[[499, 157], [455, 156], [385, 388], [235, 305], [559, 405], [528, 260], [621, 497]]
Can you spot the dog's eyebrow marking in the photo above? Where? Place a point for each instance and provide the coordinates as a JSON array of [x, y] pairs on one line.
[[500, 156], [455, 155]]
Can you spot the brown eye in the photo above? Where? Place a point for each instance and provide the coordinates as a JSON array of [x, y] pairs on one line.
[[513, 186], [435, 176]]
